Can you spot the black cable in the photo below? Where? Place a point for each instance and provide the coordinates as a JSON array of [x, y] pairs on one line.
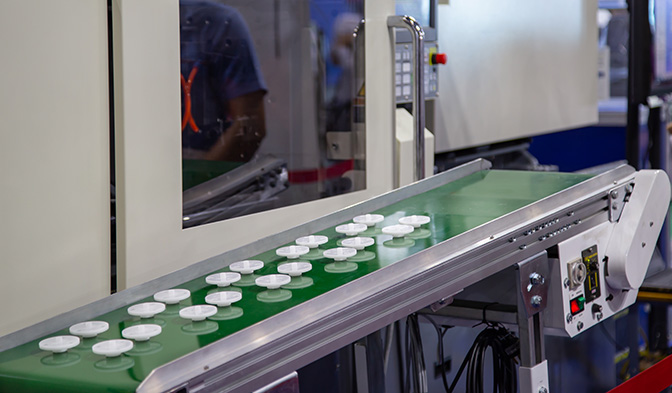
[[439, 334], [504, 347]]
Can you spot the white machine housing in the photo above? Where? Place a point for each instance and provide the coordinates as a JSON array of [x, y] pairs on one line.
[[598, 273]]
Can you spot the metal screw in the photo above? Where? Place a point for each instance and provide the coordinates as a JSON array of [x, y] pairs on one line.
[[542, 389], [614, 194], [536, 300], [537, 279], [628, 188], [599, 316], [566, 283], [579, 325], [569, 318], [522, 246]]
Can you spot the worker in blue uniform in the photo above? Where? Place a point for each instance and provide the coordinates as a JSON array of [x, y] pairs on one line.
[[222, 85]]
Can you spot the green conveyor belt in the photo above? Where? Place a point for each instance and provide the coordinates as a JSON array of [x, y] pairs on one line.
[[454, 208]]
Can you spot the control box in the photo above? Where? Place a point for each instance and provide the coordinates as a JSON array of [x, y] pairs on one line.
[[403, 68], [580, 296]]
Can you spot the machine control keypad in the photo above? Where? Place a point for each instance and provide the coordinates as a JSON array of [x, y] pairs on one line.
[[404, 69]]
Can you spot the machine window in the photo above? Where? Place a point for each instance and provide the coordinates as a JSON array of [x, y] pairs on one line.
[[272, 105]]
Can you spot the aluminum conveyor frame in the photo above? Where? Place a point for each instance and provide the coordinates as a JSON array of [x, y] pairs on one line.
[[272, 348]]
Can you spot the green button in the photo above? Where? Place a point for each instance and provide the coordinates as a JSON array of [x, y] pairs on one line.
[[581, 300]]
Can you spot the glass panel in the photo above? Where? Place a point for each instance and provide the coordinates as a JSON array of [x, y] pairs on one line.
[[272, 104]]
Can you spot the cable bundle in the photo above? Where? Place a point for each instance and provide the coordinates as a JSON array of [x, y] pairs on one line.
[[505, 347], [415, 359]]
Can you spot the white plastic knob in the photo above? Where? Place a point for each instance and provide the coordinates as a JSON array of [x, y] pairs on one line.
[[146, 310], [246, 267], [294, 269], [292, 252], [223, 279], [198, 313], [368, 219], [172, 296], [89, 329], [312, 241], [141, 332], [273, 281], [398, 230], [358, 243], [414, 221], [340, 253], [59, 344], [223, 299], [112, 348], [351, 229]]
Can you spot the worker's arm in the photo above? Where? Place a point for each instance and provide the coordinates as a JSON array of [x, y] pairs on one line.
[[248, 128]]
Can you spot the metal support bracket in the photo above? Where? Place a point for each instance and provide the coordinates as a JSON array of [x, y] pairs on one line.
[[618, 197]]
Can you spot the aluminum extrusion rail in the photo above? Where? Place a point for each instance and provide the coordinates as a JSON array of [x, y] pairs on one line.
[[280, 344]]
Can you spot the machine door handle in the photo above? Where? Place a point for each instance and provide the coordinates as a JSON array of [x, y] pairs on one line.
[[418, 75]]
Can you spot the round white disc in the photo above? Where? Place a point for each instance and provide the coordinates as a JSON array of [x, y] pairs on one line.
[[198, 313], [398, 230], [358, 243], [112, 348], [312, 241], [414, 221], [294, 269], [59, 344], [141, 332], [340, 253], [223, 279], [368, 219], [292, 252], [146, 310], [89, 328], [273, 281], [172, 296], [351, 229], [246, 267], [223, 299]]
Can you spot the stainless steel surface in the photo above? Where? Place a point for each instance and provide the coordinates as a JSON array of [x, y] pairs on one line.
[[418, 75], [315, 328], [532, 286], [134, 294]]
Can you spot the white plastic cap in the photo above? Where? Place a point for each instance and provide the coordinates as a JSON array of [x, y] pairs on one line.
[[172, 296], [89, 329], [112, 348], [273, 281], [141, 332], [294, 269], [292, 252], [351, 229], [59, 344], [146, 310], [223, 299], [223, 279], [198, 313], [358, 243], [414, 221], [398, 230], [246, 267], [340, 253], [312, 241], [368, 219]]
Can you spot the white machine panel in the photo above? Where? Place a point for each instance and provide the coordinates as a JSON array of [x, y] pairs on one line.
[[514, 69]]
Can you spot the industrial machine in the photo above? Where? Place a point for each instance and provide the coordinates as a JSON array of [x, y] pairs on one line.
[[580, 244]]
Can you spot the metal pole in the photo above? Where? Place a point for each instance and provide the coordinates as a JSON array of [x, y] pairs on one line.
[[418, 75]]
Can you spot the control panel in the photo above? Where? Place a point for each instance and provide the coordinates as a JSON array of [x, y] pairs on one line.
[[404, 71], [580, 297]]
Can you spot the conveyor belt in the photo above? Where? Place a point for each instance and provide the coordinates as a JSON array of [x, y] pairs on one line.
[[458, 208]]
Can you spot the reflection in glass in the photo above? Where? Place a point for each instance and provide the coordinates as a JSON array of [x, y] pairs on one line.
[[272, 104]]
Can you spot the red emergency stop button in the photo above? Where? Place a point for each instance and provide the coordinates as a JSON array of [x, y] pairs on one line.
[[439, 58]]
